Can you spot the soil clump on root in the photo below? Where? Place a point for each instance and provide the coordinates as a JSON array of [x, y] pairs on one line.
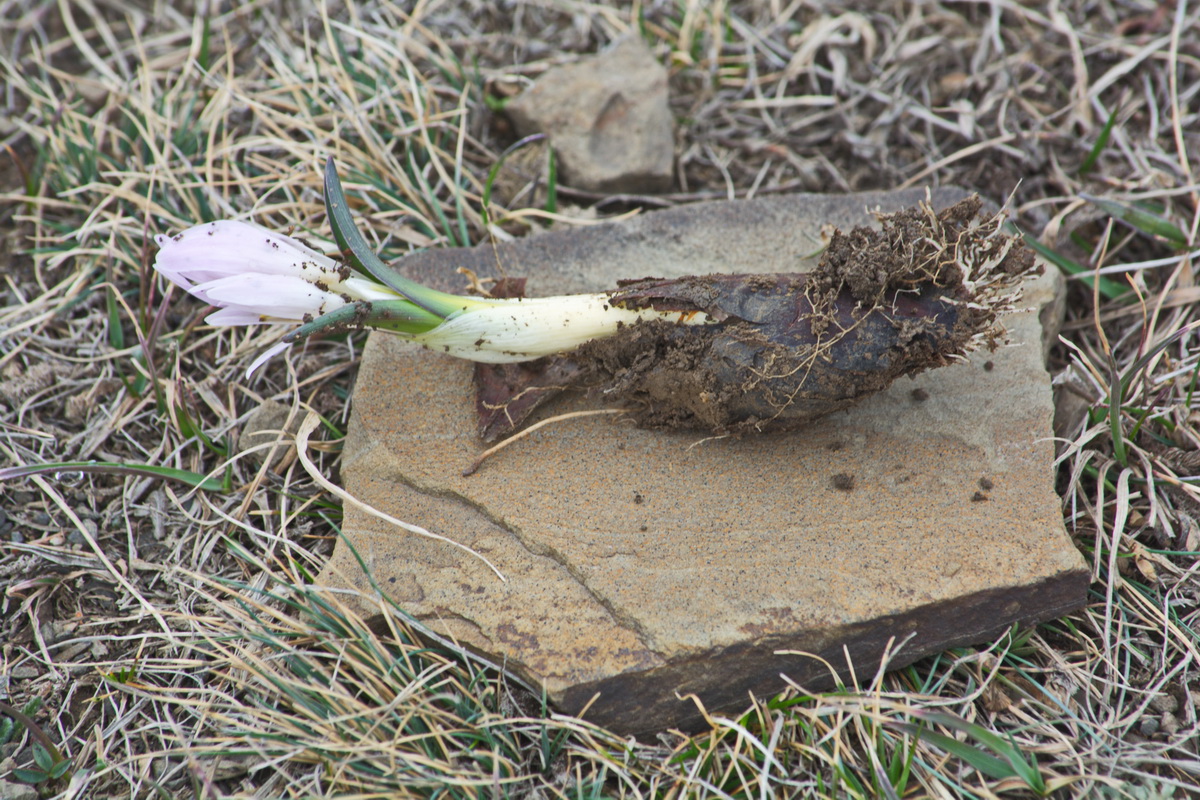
[[782, 350]]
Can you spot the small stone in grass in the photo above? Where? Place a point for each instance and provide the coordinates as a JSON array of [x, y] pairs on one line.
[[607, 117], [262, 427], [1164, 702]]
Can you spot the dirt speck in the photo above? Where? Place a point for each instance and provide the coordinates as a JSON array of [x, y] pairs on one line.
[[843, 482]]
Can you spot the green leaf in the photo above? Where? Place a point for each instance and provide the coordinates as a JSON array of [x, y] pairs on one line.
[[1140, 219], [60, 769], [190, 430], [42, 758], [193, 479], [29, 775], [359, 253]]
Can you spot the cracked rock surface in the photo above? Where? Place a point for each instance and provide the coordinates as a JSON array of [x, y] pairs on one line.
[[645, 566]]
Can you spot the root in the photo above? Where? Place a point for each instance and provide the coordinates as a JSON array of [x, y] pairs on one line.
[[522, 434]]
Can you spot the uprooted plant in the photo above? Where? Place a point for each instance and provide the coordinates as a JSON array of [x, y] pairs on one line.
[[722, 353]]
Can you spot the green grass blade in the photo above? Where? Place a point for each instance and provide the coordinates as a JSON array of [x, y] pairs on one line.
[[1108, 287], [1119, 386], [193, 479], [1018, 763], [552, 182], [436, 207], [464, 236], [1116, 396], [989, 765], [190, 429], [1192, 385], [1141, 220], [203, 58], [1101, 142], [116, 335], [486, 199]]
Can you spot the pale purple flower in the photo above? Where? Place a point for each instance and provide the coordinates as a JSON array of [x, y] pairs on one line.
[[256, 276]]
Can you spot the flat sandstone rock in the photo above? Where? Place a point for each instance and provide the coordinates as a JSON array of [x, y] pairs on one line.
[[645, 566]]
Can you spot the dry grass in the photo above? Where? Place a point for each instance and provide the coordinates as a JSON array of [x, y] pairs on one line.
[[167, 642]]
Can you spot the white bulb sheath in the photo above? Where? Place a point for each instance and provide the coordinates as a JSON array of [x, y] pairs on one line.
[[504, 331]]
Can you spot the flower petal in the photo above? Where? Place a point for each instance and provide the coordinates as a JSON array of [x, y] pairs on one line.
[[254, 275], [236, 316], [229, 247], [266, 356], [282, 296]]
